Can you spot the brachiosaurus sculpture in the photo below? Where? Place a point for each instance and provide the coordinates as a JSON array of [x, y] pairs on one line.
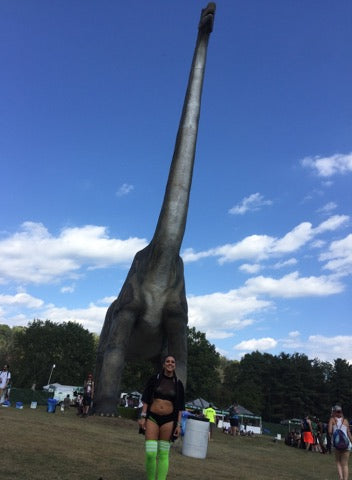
[[149, 317]]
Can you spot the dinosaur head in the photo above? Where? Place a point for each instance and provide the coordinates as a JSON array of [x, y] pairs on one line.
[[207, 18]]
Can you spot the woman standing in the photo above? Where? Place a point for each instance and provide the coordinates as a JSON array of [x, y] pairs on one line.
[[337, 421], [88, 395], [160, 418], [5, 377]]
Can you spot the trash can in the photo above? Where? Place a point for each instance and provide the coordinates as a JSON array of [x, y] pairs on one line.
[[195, 440], [51, 405]]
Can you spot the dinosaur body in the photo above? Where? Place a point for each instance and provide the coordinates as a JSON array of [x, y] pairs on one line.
[[149, 317]]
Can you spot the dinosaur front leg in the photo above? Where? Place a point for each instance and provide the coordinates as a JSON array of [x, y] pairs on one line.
[[112, 362]]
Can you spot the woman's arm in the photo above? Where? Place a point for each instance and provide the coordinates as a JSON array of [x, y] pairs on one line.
[[177, 430], [143, 416], [346, 422], [330, 425]]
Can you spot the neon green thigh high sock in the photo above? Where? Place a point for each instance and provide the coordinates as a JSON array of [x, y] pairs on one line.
[[151, 449], [163, 459]]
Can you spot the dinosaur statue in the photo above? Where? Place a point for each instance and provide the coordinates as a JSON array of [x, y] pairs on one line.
[[149, 317]]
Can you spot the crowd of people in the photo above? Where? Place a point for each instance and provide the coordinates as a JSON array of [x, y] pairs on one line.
[[311, 435], [317, 436]]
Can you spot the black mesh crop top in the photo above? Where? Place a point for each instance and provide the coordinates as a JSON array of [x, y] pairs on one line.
[[166, 390]]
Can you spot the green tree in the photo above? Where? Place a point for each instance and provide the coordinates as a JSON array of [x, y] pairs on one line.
[[68, 346], [203, 379], [6, 337], [255, 383], [341, 385], [231, 370]]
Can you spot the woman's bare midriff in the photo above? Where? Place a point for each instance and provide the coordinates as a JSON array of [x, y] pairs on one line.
[[161, 407]]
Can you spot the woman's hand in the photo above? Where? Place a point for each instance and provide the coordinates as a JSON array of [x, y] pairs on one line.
[[142, 422], [177, 431]]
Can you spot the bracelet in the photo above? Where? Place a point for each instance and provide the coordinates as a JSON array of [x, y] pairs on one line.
[[143, 415], [178, 424]]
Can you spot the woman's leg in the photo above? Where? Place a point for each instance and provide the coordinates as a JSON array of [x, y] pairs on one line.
[[344, 464], [165, 433], [151, 448], [338, 464]]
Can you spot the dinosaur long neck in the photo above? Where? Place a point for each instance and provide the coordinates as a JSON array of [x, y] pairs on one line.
[[173, 215]]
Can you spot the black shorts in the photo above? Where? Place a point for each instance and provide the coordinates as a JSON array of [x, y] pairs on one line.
[[161, 419], [234, 422], [87, 400]]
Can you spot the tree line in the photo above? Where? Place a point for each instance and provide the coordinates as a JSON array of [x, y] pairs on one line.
[[276, 387]]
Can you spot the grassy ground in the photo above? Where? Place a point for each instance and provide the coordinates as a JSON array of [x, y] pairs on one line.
[[39, 445]]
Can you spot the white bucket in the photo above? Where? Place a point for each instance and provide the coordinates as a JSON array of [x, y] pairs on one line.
[[195, 440]]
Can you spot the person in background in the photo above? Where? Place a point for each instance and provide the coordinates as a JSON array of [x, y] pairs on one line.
[[210, 414], [234, 421], [160, 418], [315, 431], [79, 404], [308, 438], [88, 395], [5, 377], [337, 421], [67, 402]]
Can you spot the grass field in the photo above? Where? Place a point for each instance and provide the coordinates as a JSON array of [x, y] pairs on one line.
[[56, 446]]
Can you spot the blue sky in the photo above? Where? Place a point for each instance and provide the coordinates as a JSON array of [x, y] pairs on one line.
[[91, 99]]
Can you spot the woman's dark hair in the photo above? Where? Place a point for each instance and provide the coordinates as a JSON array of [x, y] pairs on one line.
[[167, 356]]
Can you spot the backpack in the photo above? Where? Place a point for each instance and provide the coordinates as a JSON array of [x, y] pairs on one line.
[[340, 440]]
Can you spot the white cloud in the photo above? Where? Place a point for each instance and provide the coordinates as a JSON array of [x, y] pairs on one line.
[[315, 346], [329, 166], [250, 268], [293, 286], [22, 308], [250, 204], [68, 289], [33, 255], [106, 300], [261, 247], [91, 317], [295, 239], [286, 263], [330, 348], [294, 334], [218, 334], [125, 189], [224, 311], [319, 346], [332, 224], [328, 208], [260, 344], [189, 255], [254, 247], [339, 256], [317, 244], [22, 299]]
